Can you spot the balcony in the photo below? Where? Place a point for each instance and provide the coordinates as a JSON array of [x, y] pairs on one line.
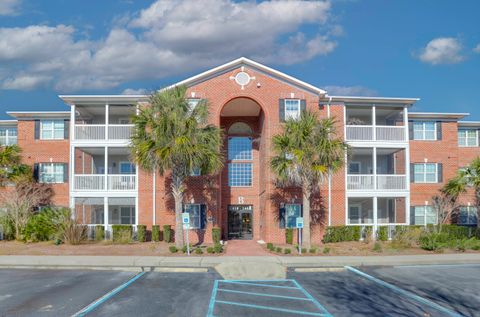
[[376, 133], [383, 182], [101, 182], [101, 131]]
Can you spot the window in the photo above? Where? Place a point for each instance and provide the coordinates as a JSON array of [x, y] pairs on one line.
[[467, 137], [425, 173], [424, 130], [354, 168], [52, 129], [240, 174], [240, 149], [292, 109], [292, 211], [192, 103], [51, 173], [8, 136], [468, 215], [197, 171], [197, 215], [127, 168], [424, 215], [127, 215]]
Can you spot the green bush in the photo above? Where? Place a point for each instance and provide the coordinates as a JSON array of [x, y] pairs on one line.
[[270, 246], [99, 232], [42, 226], [167, 233], [456, 232], [304, 250], [287, 251], [406, 236], [313, 250], [278, 250], [433, 241], [341, 233], [156, 233], [198, 251], [173, 249], [382, 233], [326, 250], [377, 247], [218, 247], [367, 234], [210, 250], [216, 234], [141, 233], [289, 235], [122, 233]]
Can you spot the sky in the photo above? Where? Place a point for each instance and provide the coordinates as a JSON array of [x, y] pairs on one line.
[[427, 49]]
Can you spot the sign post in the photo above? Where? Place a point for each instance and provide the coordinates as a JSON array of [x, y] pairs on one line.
[[299, 225], [186, 222]]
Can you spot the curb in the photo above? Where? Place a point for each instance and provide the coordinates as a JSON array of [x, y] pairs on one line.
[[137, 269]]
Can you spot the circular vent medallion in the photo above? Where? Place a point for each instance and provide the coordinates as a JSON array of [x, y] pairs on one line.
[[242, 78]]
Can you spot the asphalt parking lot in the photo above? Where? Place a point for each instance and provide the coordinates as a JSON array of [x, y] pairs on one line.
[[370, 291]]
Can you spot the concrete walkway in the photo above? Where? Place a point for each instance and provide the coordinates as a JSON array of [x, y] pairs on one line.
[[151, 262], [245, 248]]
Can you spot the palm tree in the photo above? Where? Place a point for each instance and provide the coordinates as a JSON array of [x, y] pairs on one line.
[[305, 154], [468, 177], [171, 137], [11, 167]]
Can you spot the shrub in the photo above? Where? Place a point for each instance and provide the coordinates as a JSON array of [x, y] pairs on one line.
[[99, 232], [342, 233], [167, 233], [377, 247], [156, 233], [304, 250], [289, 235], [216, 234], [173, 249], [43, 225], [382, 233], [406, 236], [122, 233], [367, 234], [287, 251], [141, 233], [278, 250], [270, 246], [326, 250], [218, 247], [198, 251], [456, 232], [210, 250], [312, 250], [433, 241]]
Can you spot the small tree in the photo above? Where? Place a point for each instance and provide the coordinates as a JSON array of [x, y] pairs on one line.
[[11, 168], [445, 207]]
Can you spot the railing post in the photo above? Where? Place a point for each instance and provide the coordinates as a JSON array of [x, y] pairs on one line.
[[374, 123], [107, 119], [375, 168], [72, 122], [105, 185]]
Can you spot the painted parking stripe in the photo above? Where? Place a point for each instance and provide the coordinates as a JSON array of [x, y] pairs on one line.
[[408, 294], [211, 306], [319, 306], [107, 296], [299, 312], [435, 265], [263, 294], [259, 284]]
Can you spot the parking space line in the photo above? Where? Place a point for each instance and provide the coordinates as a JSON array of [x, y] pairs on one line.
[[107, 296], [436, 265], [304, 291], [408, 294], [299, 312], [258, 284], [263, 294], [211, 306]]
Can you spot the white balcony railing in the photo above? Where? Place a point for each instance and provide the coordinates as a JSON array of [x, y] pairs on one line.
[[89, 182], [97, 182], [384, 182], [121, 182], [89, 132], [382, 133], [120, 131], [360, 182]]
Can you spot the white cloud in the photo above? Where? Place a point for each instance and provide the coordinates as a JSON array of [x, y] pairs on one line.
[[9, 7], [131, 91], [168, 38], [25, 82], [442, 50], [350, 91], [477, 48]]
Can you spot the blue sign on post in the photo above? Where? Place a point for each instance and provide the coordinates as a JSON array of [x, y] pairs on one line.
[[299, 223], [186, 218]]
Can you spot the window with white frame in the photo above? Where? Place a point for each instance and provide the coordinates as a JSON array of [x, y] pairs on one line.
[[425, 173], [467, 137], [292, 212], [52, 129], [424, 130], [467, 215], [240, 174], [51, 173], [292, 109], [127, 168], [424, 215], [195, 212], [8, 136]]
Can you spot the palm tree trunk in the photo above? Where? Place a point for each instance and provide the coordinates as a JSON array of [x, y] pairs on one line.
[[177, 192], [306, 236]]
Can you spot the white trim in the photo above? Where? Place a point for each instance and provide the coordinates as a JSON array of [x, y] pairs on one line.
[[466, 138], [423, 122], [298, 112], [425, 173], [438, 115]]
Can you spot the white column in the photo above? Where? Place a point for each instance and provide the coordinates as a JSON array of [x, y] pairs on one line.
[[375, 220], [407, 166], [72, 122], [374, 123], [329, 182], [105, 161], [107, 119], [105, 213], [374, 168]]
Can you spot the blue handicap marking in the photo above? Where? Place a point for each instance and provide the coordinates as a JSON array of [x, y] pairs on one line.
[[252, 297]]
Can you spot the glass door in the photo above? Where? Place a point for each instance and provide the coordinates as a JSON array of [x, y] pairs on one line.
[[240, 222]]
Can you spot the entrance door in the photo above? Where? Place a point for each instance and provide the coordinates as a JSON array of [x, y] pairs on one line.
[[240, 222]]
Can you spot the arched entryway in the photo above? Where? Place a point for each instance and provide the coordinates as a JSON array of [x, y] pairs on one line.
[[243, 179]]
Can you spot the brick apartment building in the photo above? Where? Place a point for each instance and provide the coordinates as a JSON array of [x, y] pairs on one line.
[[398, 160]]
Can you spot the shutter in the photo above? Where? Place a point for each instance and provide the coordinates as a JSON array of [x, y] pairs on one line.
[[412, 215], [412, 173], [303, 105], [65, 172], [66, 128], [410, 130], [281, 217], [439, 130], [35, 171], [439, 172], [37, 129], [281, 109], [203, 216]]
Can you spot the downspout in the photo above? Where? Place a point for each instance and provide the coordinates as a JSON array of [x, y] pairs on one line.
[[329, 177]]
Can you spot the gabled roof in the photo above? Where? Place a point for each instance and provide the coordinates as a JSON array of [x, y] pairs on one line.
[[25, 115], [243, 61]]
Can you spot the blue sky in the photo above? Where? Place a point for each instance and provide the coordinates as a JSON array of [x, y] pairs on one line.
[[425, 49]]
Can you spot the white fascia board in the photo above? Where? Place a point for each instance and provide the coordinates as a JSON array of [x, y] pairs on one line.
[[378, 100], [102, 99], [473, 124], [23, 115], [8, 123], [437, 115]]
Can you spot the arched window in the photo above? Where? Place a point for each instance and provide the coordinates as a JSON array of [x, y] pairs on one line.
[[240, 128]]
